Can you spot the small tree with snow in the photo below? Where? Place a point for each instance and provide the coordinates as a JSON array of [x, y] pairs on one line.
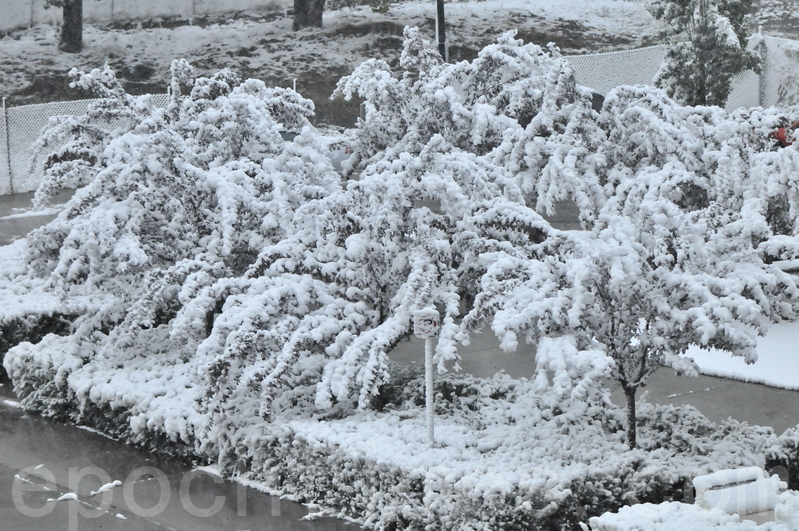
[[700, 71], [675, 256]]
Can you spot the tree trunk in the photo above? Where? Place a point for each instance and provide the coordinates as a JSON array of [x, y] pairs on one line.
[[72, 30], [308, 13], [629, 393]]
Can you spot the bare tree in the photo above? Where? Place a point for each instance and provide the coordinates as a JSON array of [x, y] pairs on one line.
[[308, 13]]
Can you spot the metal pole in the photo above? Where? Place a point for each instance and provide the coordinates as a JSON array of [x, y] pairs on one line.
[[430, 397], [763, 68], [440, 36], [8, 149]]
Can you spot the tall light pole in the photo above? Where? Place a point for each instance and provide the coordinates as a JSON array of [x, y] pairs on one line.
[[440, 36]]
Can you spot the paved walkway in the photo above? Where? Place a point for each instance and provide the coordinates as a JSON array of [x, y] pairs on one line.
[[17, 218], [716, 398]]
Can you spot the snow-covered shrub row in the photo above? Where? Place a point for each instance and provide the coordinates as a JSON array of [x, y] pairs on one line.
[[511, 456]]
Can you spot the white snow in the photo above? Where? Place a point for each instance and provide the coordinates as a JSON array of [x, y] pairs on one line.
[[777, 362], [106, 487], [742, 490], [675, 516], [281, 55], [67, 496]]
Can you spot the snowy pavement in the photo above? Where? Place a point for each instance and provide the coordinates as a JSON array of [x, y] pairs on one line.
[[717, 398], [17, 217]]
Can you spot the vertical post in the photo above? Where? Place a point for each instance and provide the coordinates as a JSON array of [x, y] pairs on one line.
[[425, 326], [8, 148], [440, 35], [763, 69], [30, 25], [429, 393]]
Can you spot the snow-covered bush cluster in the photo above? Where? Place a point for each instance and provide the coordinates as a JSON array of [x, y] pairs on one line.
[[227, 294], [511, 456]]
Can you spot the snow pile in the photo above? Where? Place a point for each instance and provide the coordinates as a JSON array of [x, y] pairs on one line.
[[741, 491], [787, 509], [676, 516]]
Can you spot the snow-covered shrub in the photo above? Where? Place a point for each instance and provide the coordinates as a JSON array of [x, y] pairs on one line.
[[508, 460]]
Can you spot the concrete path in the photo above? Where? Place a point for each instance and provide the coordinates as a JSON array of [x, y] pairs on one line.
[[17, 217], [716, 398]]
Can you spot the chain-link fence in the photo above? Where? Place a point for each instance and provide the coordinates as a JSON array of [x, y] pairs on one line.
[[19, 129], [781, 77], [604, 71]]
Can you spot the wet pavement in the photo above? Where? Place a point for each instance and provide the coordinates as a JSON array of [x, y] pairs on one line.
[[716, 398], [42, 460], [17, 217]]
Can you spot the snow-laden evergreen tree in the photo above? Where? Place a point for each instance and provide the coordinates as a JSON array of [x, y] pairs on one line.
[[700, 70]]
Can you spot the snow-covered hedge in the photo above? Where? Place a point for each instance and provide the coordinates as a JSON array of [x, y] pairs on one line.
[[510, 455]]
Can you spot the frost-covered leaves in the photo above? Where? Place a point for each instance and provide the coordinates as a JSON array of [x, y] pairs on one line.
[[515, 99]]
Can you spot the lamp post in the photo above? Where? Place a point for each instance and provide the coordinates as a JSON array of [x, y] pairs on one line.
[[425, 326]]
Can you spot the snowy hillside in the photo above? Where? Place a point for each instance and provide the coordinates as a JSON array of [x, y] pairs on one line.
[[262, 45]]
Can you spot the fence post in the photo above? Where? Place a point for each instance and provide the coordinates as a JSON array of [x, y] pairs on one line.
[[8, 148]]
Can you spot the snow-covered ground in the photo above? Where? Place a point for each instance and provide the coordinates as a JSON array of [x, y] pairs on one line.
[[262, 44]]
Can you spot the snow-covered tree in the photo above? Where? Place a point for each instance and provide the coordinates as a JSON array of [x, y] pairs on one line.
[[674, 257], [700, 70], [171, 199]]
